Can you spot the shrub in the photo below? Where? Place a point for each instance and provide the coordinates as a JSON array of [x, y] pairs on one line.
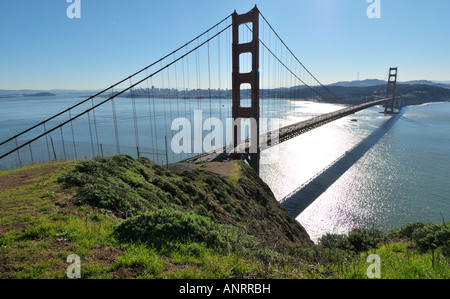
[[334, 241], [357, 240], [364, 239], [407, 230], [165, 225], [426, 236], [169, 226], [121, 184], [432, 236]]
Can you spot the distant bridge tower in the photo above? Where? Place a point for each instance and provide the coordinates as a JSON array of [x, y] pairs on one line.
[[239, 112], [390, 92]]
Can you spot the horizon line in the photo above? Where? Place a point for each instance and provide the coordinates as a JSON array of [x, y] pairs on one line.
[[445, 82]]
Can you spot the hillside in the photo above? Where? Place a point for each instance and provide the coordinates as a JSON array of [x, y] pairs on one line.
[[128, 218], [107, 203], [412, 94], [415, 94], [40, 94], [377, 82], [360, 83]]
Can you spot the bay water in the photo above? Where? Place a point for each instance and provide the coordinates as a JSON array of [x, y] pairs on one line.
[[364, 170]]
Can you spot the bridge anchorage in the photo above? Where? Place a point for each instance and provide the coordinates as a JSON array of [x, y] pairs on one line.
[[266, 79]]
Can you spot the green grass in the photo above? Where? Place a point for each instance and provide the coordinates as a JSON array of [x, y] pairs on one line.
[[129, 218], [414, 251], [140, 255], [45, 233], [399, 261]]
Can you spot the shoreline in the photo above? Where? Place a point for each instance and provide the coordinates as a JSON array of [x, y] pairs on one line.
[[427, 104]]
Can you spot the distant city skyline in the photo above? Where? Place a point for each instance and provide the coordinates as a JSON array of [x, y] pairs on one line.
[[44, 49]]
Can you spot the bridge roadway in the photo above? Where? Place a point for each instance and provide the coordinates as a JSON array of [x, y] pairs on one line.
[[284, 133]]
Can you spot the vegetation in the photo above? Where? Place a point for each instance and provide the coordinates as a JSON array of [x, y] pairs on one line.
[[411, 94], [416, 250], [130, 218]]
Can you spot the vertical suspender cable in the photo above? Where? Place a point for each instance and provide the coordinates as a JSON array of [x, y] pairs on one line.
[[63, 146], [184, 96], [46, 141], [73, 138], [219, 76], [209, 87], [116, 128], [170, 105], [136, 130], [164, 105], [95, 127], [150, 115], [155, 150], [90, 133], [188, 87]]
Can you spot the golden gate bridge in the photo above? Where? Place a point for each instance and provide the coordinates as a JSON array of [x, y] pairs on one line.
[[239, 69]]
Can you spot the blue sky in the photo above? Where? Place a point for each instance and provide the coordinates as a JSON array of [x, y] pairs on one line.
[[41, 48]]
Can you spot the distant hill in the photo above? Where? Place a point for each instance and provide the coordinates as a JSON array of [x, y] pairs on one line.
[[25, 92], [412, 94], [18, 92], [375, 82], [40, 94], [359, 83], [426, 82]]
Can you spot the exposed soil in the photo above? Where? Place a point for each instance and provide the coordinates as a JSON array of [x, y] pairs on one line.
[[179, 168], [221, 168], [26, 176]]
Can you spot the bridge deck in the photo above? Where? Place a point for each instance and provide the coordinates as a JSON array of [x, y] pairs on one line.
[[285, 133], [299, 128]]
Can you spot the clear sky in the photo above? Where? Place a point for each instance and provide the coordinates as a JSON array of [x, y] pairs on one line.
[[41, 48]]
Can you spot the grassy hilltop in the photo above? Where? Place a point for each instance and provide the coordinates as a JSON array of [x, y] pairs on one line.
[[130, 218]]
